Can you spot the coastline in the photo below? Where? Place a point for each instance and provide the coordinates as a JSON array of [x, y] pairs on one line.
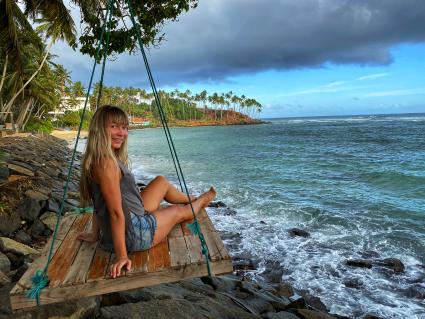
[[41, 186]]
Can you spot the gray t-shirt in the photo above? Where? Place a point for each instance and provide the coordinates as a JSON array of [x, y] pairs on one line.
[[131, 202]]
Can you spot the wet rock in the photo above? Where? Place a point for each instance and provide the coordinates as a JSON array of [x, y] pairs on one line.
[[263, 222], [28, 209], [73, 202], [297, 304], [52, 205], [298, 232], [312, 314], [9, 223], [353, 283], [4, 263], [10, 245], [273, 273], [415, 291], [22, 237], [230, 212], [20, 169], [393, 263], [242, 263], [363, 263], [217, 204], [372, 316], [315, 302]]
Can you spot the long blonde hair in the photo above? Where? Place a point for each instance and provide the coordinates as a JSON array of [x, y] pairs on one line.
[[99, 147]]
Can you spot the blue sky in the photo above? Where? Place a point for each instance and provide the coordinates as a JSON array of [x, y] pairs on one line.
[[297, 58]]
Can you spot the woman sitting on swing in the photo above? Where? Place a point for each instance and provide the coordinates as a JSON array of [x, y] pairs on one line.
[[124, 219]]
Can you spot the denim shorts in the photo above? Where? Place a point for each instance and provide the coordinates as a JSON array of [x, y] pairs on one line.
[[144, 228]]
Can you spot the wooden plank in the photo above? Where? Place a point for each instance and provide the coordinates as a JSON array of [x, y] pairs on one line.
[[159, 257], [193, 245], [64, 257], [212, 248], [25, 282], [220, 245], [103, 286], [81, 265], [139, 260], [99, 265], [186, 231], [176, 232], [179, 255]]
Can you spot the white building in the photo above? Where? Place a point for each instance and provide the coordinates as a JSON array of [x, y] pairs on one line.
[[66, 104]]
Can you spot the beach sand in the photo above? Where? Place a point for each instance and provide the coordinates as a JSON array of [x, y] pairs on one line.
[[67, 135]]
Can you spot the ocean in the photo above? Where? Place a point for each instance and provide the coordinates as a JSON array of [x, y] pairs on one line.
[[355, 183]]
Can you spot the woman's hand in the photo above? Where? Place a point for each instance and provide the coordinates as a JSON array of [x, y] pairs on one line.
[[118, 265], [88, 237]]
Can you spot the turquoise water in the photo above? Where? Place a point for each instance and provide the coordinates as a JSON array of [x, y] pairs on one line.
[[355, 183]]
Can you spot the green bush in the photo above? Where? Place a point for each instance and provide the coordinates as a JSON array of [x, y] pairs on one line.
[[38, 125]]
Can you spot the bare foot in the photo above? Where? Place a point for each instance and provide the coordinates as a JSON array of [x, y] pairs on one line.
[[208, 196]]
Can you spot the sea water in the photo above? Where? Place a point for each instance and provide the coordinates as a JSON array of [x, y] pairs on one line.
[[356, 184]]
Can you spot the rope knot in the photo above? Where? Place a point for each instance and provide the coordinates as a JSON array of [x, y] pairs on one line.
[[39, 280]]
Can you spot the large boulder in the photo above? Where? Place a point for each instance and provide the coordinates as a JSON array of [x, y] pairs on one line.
[[10, 245], [29, 209], [362, 263], [9, 223], [4, 263], [393, 263]]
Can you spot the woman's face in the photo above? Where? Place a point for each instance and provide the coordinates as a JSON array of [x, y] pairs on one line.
[[118, 132]]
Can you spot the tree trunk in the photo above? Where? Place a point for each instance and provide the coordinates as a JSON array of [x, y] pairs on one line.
[[28, 116], [10, 103], [23, 113], [3, 76]]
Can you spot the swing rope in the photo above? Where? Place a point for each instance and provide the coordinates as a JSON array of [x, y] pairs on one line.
[[40, 280], [194, 227]]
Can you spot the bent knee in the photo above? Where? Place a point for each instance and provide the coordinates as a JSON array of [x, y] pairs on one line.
[[161, 179]]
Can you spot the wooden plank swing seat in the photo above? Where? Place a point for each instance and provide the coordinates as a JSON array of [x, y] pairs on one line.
[[80, 269]]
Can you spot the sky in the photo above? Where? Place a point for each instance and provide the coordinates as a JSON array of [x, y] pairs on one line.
[[296, 57]]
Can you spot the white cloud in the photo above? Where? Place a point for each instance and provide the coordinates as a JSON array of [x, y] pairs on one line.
[[396, 92], [372, 76]]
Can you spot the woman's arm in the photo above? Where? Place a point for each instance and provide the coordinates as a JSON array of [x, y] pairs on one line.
[[108, 175]]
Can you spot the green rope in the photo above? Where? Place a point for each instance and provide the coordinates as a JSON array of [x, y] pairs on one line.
[[40, 279], [169, 138]]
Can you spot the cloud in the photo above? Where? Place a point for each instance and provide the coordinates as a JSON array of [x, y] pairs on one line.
[[372, 76], [222, 38], [415, 91]]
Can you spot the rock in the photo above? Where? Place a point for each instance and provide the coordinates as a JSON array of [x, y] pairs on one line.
[[315, 303], [312, 314], [9, 223], [23, 237], [371, 316], [298, 232], [363, 263], [297, 304], [13, 178], [28, 209], [52, 205], [353, 283], [393, 263], [37, 228], [415, 291], [10, 245], [36, 195], [217, 204], [20, 169], [49, 219], [4, 280], [73, 202], [273, 272], [240, 263], [230, 212], [284, 290], [280, 315], [16, 260], [4, 174], [4, 263]]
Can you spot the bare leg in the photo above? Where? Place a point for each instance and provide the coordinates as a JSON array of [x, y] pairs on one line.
[[157, 190], [168, 217]]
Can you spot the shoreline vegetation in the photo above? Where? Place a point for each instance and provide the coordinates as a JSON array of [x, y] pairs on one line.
[[33, 171]]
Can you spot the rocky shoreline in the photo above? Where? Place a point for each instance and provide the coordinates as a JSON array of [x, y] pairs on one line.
[[33, 172]]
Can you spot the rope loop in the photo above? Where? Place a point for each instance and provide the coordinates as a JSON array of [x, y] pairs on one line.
[[39, 281]]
